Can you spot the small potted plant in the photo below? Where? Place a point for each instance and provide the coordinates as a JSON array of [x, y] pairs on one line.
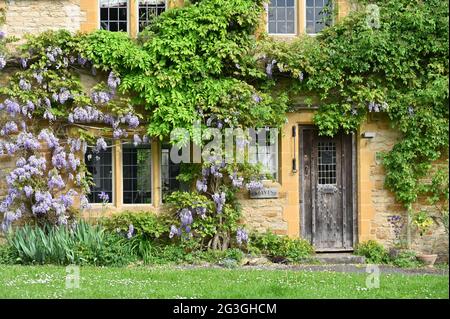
[[422, 221]]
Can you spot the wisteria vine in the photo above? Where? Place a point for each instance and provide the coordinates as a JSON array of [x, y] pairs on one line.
[[41, 105]]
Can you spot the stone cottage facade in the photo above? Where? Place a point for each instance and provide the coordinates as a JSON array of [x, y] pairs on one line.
[[323, 185]]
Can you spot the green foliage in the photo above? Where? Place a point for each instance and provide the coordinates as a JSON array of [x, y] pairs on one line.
[[190, 63], [422, 221], [406, 259], [205, 229], [374, 252], [282, 247], [83, 245], [6, 254], [147, 225]]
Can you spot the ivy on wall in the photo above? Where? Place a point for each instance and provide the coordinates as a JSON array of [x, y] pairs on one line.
[[395, 62]]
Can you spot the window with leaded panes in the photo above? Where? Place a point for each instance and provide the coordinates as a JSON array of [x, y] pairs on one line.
[[148, 10], [137, 174], [318, 15], [114, 15], [100, 167], [282, 16]]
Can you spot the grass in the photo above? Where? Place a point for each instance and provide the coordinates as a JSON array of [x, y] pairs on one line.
[[143, 282]]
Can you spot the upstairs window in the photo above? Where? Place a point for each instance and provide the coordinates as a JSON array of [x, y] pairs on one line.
[[137, 176], [114, 15], [148, 10], [100, 166], [282, 16], [318, 15]]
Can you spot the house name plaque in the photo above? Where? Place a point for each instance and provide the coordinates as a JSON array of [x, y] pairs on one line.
[[269, 192]]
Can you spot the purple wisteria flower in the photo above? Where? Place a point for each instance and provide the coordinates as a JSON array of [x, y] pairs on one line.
[[104, 197], [201, 211], [38, 77], [254, 185], [132, 120], [100, 145], [47, 136], [118, 133], [55, 181], [10, 127], [269, 68], [2, 34], [73, 162], [236, 180], [81, 61], [186, 217], [301, 76], [241, 236], [256, 98], [136, 140], [27, 141], [64, 95], [374, 107], [2, 62], [28, 190], [59, 158], [101, 97], [130, 231], [43, 203], [113, 81], [86, 114], [10, 217], [201, 185], [23, 62], [84, 202], [174, 231], [24, 85], [48, 115], [219, 200]]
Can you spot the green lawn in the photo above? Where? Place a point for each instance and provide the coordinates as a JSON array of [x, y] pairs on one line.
[[142, 282]]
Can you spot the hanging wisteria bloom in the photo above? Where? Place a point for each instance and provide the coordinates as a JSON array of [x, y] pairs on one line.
[[254, 185], [24, 85], [55, 181], [236, 181], [113, 81], [23, 62], [219, 200], [241, 236], [59, 159], [48, 137], [101, 97], [104, 197], [130, 231], [202, 185], [2, 62], [136, 140], [186, 217], [101, 145], [174, 231], [10, 127]]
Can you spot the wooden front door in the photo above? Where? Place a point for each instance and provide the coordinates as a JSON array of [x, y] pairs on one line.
[[327, 186]]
